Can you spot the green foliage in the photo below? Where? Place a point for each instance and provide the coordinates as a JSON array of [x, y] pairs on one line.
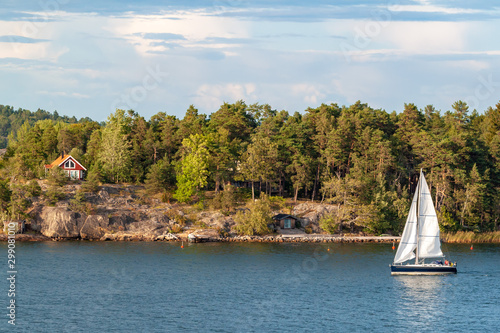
[[229, 130], [192, 171], [12, 120], [77, 153], [34, 188], [18, 169], [160, 177], [93, 148], [256, 220], [300, 168], [329, 223], [5, 195], [57, 177], [446, 221], [363, 160], [225, 201], [78, 202], [260, 155], [114, 154], [166, 196], [19, 201], [91, 183], [222, 232], [201, 225], [388, 209], [176, 216], [276, 202], [54, 194], [200, 205]]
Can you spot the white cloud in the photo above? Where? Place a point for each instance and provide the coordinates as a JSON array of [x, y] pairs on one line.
[[194, 27], [426, 37], [310, 93], [426, 7], [62, 94], [275, 56], [211, 96]]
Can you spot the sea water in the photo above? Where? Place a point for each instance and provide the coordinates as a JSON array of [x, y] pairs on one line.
[[80, 286]]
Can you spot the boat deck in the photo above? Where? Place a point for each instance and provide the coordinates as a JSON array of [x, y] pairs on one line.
[[426, 269]]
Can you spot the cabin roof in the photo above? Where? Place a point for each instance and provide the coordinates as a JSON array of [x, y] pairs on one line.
[[61, 160], [283, 216]]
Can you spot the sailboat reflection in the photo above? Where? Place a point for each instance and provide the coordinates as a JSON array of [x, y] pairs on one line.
[[420, 299]]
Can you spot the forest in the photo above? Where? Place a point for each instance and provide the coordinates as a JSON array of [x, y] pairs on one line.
[[365, 161]]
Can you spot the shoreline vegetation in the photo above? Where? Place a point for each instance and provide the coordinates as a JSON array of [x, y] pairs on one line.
[[471, 237]]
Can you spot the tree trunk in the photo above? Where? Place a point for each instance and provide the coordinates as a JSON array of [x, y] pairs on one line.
[[296, 194], [281, 186], [465, 204], [217, 184], [436, 200], [253, 191], [315, 184]]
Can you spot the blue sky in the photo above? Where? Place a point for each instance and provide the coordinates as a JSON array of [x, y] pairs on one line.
[[87, 58]]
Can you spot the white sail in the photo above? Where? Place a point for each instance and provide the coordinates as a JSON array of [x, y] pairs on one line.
[[429, 244], [408, 241]]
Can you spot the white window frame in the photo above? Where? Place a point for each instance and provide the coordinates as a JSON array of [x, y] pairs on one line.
[[69, 164]]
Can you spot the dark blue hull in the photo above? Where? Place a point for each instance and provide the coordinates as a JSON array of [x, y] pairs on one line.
[[422, 269]]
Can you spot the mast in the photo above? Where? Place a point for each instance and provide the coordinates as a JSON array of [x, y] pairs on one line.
[[419, 185]]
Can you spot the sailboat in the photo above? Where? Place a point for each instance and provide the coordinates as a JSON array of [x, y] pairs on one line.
[[420, 240]]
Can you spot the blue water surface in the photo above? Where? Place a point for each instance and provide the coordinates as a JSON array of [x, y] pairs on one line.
[[239, 287]]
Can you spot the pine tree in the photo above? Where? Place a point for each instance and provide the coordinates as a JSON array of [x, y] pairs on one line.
[[159, 177]]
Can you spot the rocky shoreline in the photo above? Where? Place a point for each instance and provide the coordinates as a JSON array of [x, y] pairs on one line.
[[127, 213], [123, 213], [310, 238]]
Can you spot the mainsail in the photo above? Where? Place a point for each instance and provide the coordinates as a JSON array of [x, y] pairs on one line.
[[429, 245]]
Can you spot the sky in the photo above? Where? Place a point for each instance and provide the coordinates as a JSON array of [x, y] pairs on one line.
[[88, 58]]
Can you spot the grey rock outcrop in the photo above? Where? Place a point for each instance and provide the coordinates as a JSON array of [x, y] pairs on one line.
[[59, 222], [94, 227], [155, 224], [311, 213], [216, 220]]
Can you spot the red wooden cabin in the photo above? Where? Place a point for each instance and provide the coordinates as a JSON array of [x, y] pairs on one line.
[[70, 165]]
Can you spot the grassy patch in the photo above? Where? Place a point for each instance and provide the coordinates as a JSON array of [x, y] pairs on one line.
[[471, 237]]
